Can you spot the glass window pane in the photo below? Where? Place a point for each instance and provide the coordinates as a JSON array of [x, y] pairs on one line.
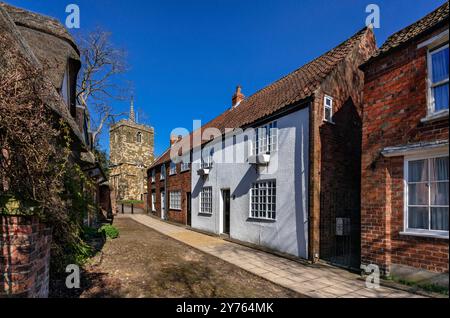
[[418, 171], [439, 193], [439, 219], [418, 218], [440, 65], [418, 194], [439, 169], [440, 94]]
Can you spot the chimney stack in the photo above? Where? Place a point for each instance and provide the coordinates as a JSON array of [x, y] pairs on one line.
[[174, 139], [238, 97]]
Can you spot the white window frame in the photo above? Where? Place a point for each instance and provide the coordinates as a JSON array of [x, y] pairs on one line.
[[206, 208], [209, 162], [153, 202], [175, 200], [267, 211], [265, 139], [65, 88], [153, 176], [185, 166], [173, 168], [406, 229], [325, 107], [162, 174], [431, 85]]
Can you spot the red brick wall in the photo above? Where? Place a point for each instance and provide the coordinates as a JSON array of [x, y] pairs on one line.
[[395, 101], [335, 152], [25, 257], [179, 182]]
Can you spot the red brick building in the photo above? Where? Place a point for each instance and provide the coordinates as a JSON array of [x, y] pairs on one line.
[[169, 187], [404, 216], [320, 218]]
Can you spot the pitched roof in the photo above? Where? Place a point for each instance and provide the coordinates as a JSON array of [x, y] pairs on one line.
[[49, 40], [20, 32], [289, 90], [435, 18]]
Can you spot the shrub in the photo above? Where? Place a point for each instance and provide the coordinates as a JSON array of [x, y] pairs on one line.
[[110, 231], [131, 202]]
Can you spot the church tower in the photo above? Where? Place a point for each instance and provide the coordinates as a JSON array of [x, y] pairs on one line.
[[131, 153]]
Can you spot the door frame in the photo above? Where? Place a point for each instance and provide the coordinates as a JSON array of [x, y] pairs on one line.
[[222, 212], [163, 204], [188, 208]]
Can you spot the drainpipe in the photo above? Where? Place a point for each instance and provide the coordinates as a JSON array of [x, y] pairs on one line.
[[166, 194]]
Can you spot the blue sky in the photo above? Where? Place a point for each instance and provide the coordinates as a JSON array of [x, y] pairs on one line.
[[187, 56]]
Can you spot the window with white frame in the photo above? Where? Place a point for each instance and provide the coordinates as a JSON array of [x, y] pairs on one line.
[[173, 168], [185, 166], [265, 139], [153, 201], [438, 79], [208, 159], [175, 200], [65, 89], [163, 172], [426, 195], [206, 200], [263, 200], [153, 177], [328, 108]]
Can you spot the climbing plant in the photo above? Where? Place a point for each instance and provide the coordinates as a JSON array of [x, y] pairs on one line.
[[38, 175]]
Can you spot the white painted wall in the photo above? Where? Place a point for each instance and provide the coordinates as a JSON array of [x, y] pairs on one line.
[[288, 166]]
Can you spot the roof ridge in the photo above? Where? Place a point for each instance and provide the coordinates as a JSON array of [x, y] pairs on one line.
[[291, 88], [62, 34], [429, 15], [415, 29], [7, 5], [304, 66]]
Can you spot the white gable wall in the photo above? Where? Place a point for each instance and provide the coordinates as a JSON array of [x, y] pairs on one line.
[[288, 167]]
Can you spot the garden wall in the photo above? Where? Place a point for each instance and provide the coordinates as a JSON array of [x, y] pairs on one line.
[[25, 257]]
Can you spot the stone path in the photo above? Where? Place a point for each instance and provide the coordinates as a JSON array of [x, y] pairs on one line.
[[318, 280]]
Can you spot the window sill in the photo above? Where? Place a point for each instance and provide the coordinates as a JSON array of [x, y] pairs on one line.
[[176, 210], [252, 219], [425, 234], [204, 214], [433, 117], [329, 122]]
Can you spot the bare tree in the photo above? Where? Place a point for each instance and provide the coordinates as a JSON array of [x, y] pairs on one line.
[[100, 81]]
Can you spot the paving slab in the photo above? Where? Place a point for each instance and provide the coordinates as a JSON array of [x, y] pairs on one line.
[[318, 280]]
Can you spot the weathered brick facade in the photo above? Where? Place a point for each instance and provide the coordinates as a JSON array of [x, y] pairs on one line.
[[335, 160], [395, 104], [181, 181], [25, 257]]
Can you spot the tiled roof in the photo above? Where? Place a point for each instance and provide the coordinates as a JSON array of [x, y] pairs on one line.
[[426, 23], [291, 89]]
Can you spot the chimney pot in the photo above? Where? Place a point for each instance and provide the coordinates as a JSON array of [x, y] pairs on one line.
[[174, 139], [238, 97]]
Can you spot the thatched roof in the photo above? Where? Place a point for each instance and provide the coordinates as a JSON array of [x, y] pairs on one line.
[[41, 43], [47, 38]]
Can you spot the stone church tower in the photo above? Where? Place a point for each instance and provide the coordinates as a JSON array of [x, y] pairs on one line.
[[131, 153]]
